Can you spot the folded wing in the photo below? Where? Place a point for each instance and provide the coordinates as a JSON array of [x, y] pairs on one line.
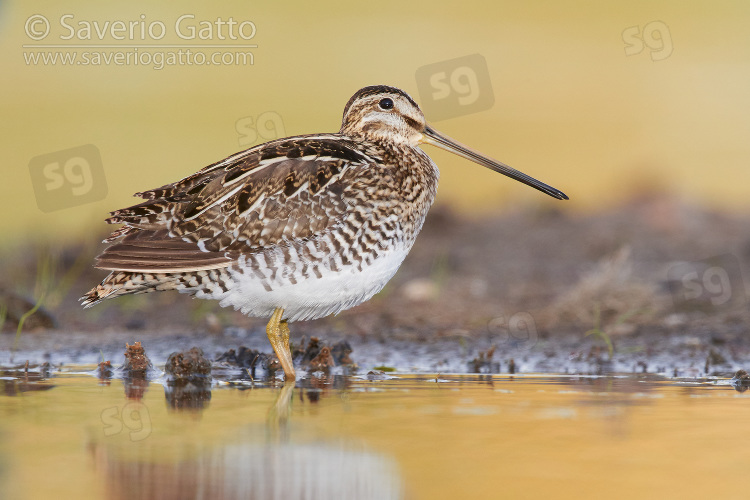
[[269, 195]]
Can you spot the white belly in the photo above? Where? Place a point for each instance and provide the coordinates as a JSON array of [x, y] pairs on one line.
[[312, 297]]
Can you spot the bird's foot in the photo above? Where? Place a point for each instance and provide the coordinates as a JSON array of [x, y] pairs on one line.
[[278, 334]]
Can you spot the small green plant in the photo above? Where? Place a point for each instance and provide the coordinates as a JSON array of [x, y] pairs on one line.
[[601, 333], [45, 273], [66, 281], [597, 331], [3, 315], [48, 289]]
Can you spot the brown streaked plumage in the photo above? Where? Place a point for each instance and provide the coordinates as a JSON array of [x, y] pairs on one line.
[[297, 228]]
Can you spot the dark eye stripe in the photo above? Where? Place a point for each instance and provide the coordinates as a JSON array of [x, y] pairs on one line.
[[412, 123]]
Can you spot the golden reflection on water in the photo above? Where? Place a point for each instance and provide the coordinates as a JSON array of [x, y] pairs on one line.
[[410, 437]]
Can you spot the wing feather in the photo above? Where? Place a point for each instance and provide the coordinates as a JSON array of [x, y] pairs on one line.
[[155, 251], [281, 191]]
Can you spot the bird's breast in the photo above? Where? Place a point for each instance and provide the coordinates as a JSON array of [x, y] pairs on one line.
[[311, 281]]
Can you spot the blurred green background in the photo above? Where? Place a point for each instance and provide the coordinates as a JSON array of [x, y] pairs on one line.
[[603, 101]]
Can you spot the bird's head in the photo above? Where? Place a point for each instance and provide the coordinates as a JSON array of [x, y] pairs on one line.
[[382, 113]]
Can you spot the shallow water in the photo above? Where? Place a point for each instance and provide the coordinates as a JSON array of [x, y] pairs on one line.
[[451, 436]]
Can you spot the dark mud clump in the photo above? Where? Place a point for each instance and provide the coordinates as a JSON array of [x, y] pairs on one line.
[[323, 361], [374, 375], [484, 363], [250, 360], [135, 371], [318, 357], [104, 370], [340, 352], [741, 381], [187, 365], [137, 363], [311, 355], [303, 354], [188, 380]]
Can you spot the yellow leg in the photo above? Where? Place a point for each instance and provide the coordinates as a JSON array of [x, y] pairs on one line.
[[284, 327], [278, 334]]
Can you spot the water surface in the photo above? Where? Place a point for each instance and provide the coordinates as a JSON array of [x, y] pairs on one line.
[[446, 436]]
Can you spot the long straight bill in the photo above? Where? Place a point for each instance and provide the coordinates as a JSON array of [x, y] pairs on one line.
[[435, 138]]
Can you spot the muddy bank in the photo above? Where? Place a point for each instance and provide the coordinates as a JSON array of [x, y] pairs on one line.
[[654, 285]]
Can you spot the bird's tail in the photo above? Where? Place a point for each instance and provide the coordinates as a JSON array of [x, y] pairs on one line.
[[125, 283]]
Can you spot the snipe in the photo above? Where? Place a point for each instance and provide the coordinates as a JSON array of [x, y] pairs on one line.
[[294, 229]]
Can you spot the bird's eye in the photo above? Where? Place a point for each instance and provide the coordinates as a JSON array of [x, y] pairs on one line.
[[386, 103]]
